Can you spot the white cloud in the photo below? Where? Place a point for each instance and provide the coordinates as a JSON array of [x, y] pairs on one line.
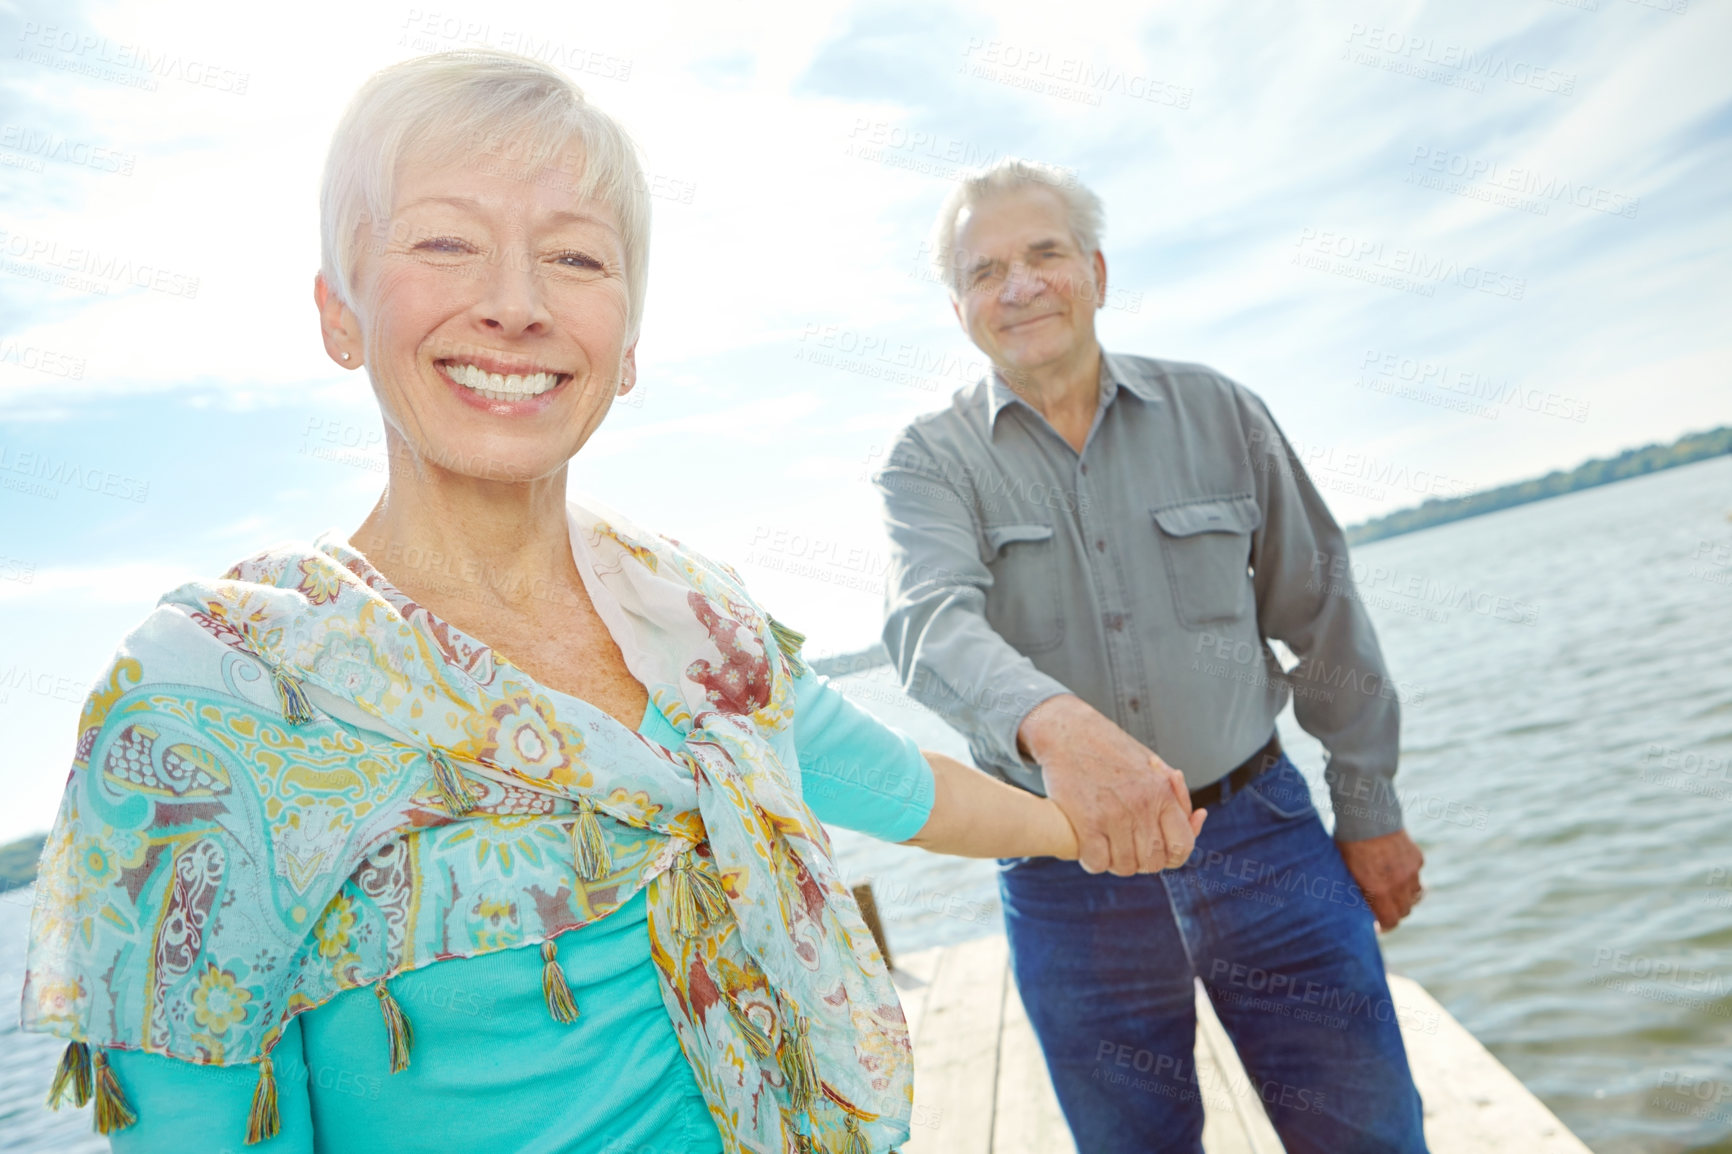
[[128, 583]]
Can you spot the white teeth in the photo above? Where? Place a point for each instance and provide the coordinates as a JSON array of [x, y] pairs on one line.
[[500, 387]]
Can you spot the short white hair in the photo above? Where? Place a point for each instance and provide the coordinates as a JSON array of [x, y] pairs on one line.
[[1082, 209], [448, 107]]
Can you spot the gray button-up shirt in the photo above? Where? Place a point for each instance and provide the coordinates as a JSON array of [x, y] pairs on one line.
[[1143, 574]]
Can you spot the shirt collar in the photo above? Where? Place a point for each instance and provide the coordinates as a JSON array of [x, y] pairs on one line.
[[1113, 376]]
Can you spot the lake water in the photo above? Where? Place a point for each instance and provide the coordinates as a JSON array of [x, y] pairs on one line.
[[1566, 767]]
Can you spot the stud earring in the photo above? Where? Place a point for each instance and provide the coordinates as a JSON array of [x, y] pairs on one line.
[[345, 356]]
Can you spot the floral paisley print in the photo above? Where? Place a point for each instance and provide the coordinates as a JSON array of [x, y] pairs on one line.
[[294, 781]]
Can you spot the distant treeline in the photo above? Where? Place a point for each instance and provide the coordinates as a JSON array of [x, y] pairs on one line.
[[18, 861], [1629, 463]]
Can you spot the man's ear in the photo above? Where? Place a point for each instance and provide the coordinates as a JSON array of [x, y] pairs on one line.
[[1100, 279], [338, 324], [956, 307]]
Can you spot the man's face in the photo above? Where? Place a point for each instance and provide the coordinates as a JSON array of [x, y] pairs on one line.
[[1028, 293]]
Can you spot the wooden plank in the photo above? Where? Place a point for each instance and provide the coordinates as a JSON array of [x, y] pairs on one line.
[[956, 1050], [981, 1085], [1234, 1121], [1029, 1120], [913, 979], [1473, 1104]]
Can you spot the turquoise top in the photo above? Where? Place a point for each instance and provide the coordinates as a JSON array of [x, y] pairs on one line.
[[491, 1070]]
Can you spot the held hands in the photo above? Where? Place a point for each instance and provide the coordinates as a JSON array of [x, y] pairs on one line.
[[1131, 812]]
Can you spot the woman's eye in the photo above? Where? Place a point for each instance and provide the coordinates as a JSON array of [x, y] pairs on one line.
[[579, 260], [446, 244]]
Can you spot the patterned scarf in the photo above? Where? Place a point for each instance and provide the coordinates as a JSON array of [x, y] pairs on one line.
[[294, 781]]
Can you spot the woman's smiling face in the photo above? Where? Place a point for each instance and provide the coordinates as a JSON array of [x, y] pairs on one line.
[[492, 316]]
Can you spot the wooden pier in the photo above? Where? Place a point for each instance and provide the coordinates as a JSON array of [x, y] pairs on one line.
[[981, 1087]]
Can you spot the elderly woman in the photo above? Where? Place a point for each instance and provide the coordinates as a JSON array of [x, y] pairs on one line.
[[495, 825]]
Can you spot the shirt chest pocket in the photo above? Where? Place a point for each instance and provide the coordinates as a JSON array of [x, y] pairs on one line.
[[1022, 606], [1206, 546]]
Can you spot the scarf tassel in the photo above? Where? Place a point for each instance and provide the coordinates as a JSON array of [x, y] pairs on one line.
[[73, 1073], [798, 1063], [297, 708], [589, 844], [397, 1029], [452, 788], [113, 1111], [554, 987], [698, 898], [789, 642], [756, 1040], [263, 1121], [855, 1143]]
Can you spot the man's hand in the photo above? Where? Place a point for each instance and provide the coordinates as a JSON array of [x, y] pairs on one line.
[[1131, 811], [1387, 870]]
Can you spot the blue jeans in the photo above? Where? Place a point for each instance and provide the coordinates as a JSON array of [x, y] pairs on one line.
[[1266, 914]]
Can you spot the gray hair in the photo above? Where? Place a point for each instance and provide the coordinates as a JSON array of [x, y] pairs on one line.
[[1082, 209], [460, 106]]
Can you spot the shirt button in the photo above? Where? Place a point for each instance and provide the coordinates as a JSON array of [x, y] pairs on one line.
[[1134, 704], [1101, 545], [1085, 470]]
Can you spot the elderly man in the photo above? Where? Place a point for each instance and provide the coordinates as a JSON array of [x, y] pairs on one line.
[[1091, 553]]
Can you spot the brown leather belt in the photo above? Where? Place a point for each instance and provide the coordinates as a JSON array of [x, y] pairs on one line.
[[1252, 766]]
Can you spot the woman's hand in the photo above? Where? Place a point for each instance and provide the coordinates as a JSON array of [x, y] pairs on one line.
[[974, 815]]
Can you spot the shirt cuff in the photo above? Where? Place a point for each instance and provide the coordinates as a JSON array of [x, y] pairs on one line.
[[1018, 697], [1365, 803]]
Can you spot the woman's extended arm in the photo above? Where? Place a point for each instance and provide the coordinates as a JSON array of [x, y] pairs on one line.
[[862, 774], [974, 815]]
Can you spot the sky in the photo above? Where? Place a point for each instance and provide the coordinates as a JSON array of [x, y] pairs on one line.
[[1450, 244]]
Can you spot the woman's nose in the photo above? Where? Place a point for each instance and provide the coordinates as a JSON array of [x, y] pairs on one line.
[[513, 300]]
